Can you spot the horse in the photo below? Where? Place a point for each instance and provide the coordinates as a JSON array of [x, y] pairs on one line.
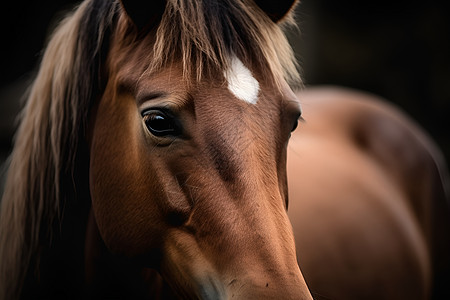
[[152, 161], [156, 130]]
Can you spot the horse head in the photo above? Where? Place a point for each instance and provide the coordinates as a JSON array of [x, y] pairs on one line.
[[188, 164], [167, 123]]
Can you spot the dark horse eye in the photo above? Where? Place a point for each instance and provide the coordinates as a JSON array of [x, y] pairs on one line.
[[297, 120], [294, 126], [161, 124]]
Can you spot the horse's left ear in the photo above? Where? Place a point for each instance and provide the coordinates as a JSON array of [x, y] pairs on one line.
[[278, 9], [144, 13]]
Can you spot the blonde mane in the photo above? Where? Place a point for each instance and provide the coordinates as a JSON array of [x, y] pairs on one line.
[[46, 145], [51, 138]]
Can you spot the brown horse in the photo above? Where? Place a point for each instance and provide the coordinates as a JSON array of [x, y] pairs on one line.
[[150, 162], [157, 131]]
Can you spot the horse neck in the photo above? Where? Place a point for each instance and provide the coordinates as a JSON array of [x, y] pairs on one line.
[[58, 263], [37, 244]]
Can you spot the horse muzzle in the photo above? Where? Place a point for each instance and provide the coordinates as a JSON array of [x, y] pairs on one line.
[[192, 274]]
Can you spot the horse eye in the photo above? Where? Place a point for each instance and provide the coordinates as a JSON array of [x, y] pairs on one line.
[[161, 124], [298, 119], [295, 125]]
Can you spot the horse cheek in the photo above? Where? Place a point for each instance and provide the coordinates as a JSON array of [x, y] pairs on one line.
[[120, 177]]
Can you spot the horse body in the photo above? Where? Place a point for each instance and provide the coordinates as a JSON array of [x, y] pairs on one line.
[[363, 177]]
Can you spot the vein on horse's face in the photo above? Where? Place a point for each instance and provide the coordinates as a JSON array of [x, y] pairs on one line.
[[241, 82]]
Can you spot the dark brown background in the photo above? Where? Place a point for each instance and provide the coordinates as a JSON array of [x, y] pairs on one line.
[[397, 49]]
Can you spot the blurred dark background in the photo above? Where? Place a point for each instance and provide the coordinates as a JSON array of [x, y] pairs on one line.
[[397, 49]]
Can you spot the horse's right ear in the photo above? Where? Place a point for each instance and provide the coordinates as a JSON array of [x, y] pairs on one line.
[[277, 10], [144, 13]]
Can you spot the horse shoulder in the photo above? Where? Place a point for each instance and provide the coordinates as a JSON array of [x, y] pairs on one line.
[[415, 163]]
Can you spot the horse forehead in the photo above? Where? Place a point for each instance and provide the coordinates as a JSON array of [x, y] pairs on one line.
[[241, 82]]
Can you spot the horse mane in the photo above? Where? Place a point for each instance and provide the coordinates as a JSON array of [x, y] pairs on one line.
[[47, 142], [50, 145]]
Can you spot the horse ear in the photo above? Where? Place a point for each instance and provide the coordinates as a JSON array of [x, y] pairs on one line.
[[276, 10], [144, 14]]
